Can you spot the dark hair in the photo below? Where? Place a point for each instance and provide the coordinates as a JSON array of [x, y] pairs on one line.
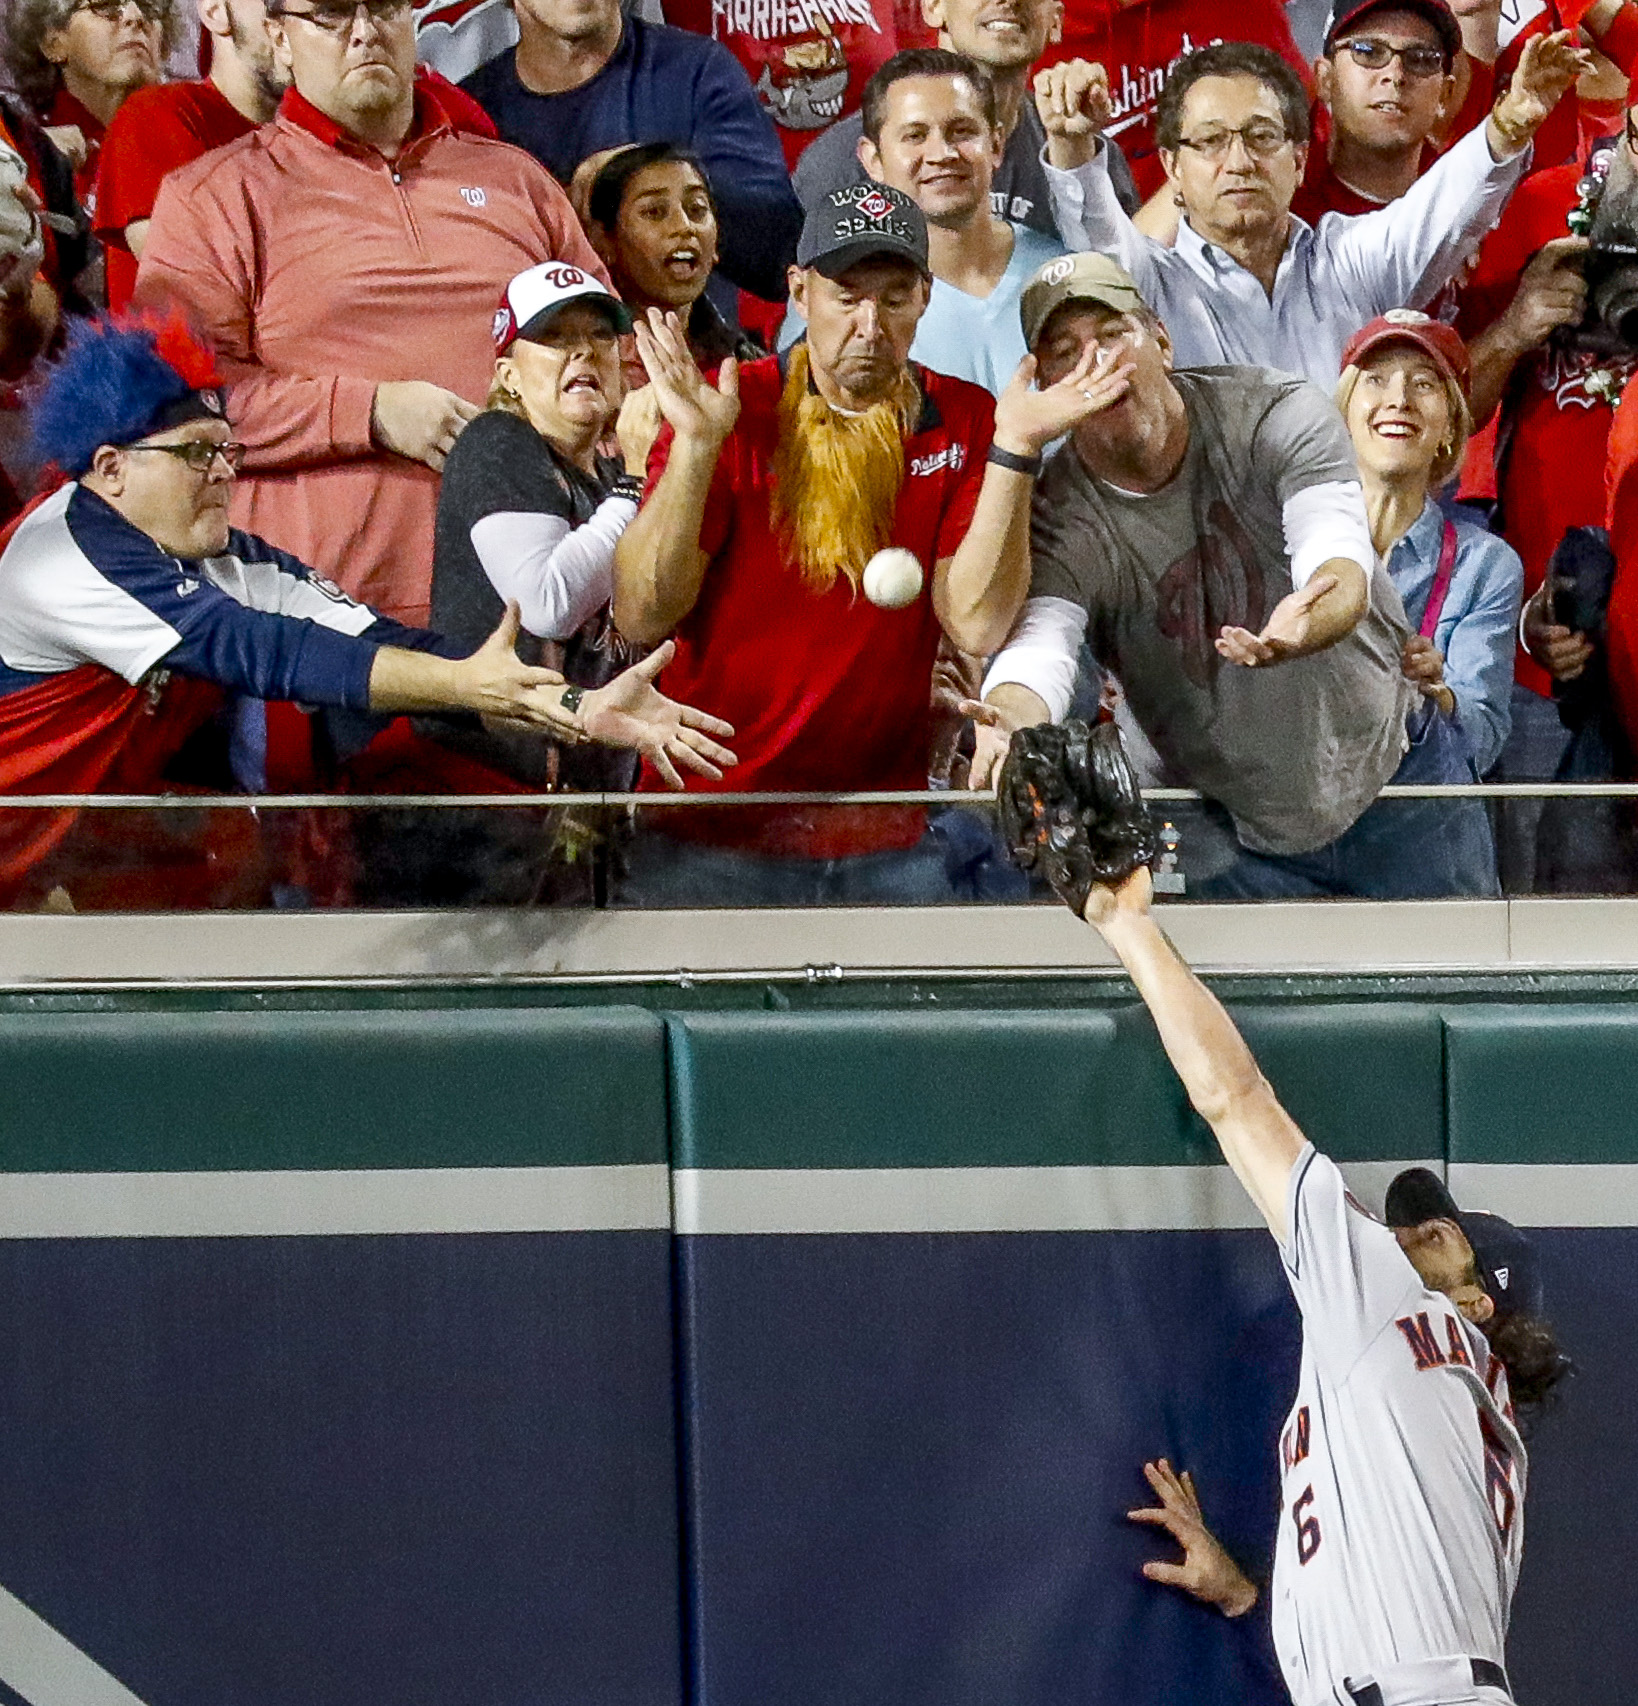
[[608, 191], [923, 62], [1536, 1363], [1231, 59]]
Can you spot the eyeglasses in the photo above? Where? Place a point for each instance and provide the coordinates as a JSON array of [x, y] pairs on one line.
[[111, 11], [200, 453], [1373, 54], [1261, 138], [339, 20]]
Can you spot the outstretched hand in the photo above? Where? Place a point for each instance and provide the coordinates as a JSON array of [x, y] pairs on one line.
[[696, 409], [632, 712], [1028, 416], [1547, 70], [495, 682], [1206, 1570], [1287, 633]]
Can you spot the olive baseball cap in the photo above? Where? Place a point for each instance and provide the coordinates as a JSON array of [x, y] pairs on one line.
[[1076, 278]]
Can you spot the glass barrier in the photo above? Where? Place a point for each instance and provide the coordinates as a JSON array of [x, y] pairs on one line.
[[103, 853]]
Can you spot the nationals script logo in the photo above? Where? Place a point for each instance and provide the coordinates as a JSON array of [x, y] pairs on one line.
[[1564, 373]]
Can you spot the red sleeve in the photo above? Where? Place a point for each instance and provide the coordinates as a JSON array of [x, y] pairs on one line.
[[717, 521], [146, 141], [978, 430], [1536, 215], [458, 107], [1619, 43]]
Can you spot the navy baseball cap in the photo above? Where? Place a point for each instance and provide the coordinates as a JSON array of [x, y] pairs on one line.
[[859, 223], [1506, 1258]]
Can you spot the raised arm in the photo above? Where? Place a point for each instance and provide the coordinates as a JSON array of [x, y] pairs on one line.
[[659, 565], [1259, 1139]]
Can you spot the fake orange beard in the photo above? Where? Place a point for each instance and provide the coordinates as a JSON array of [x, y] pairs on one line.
[[837, 477]]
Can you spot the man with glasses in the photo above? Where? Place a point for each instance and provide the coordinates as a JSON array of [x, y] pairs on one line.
[[345, 261], [1245, 282], [75, 62], [1386, 82]]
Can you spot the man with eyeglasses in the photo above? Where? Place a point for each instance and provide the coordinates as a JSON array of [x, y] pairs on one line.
[[76, 61], [1246, 283], [1385, 82], [345, 260], [129, 607]]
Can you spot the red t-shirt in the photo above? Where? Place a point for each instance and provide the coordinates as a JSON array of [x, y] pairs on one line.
[[1555, 433], [1138, 44], [825, 690], [808, 68], [155, 131], [66, 109], [1322, 191], [1622, 521]]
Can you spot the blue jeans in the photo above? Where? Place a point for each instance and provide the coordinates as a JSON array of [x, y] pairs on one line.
[[665, 872], [1535, 746], [1395, 850]]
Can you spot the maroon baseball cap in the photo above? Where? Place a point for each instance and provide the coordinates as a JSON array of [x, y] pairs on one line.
[[1437, 13], [1440, 343]]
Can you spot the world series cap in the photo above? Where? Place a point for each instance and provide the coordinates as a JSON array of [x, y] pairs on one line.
[[1506, 1258], [534, 297], [863, 220], [1086, 277]]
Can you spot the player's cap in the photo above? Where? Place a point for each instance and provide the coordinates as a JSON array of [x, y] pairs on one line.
[[1076, 278], [1346, 18], [859, 223], [1441, 344], [534, 298], [1506, 1258]]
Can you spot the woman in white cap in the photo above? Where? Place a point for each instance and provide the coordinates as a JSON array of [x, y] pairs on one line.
[[531, 508]]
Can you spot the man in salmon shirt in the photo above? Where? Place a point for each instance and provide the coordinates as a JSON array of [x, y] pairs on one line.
[[345, 261], [771, 493]]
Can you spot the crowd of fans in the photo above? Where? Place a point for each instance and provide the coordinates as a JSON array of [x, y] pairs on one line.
[[549, 396]]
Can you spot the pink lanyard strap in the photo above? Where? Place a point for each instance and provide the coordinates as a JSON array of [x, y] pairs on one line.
[[1441, 582]]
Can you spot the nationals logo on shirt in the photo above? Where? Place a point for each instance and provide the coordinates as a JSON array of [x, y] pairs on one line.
[[1564, 373]]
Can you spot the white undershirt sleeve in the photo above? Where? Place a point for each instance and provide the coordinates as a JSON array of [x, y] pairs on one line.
[[1326, 521], [1040, 653], [559, 575]]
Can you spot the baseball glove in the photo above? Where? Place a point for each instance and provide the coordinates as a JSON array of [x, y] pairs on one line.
[[1070, 808]]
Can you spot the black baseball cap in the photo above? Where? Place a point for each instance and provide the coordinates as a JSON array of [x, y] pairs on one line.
[[1437, 13], [859, 223], [1506, 1258]]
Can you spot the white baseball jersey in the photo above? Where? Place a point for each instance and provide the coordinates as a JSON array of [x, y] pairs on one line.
[[1402, 1472]]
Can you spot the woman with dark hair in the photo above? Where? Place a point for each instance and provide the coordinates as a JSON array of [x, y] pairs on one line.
[[651, 216]]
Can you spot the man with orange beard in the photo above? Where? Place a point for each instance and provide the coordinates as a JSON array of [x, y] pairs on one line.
[[770, 492]]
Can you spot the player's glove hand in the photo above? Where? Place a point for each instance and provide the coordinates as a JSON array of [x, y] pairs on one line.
[[1070, 807]]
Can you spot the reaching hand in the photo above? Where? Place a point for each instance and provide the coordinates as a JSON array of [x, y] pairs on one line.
[[419, 420], [1287, 632], [695, 408], [636, 428], [1074, 104], [991, 737], [632, 712], [495, 682], [1207, 1571], [1028, 418], [1547, 69]]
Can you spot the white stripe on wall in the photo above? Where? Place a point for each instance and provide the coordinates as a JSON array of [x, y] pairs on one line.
[[319, 1203], [1564, 1195], [47, 1670], [980, 1199]]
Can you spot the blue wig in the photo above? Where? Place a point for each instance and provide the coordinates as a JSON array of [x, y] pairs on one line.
[[113, 384]]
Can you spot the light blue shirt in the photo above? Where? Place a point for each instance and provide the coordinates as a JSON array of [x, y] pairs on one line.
[[1477, 626], [979, 338], [1333, 278]]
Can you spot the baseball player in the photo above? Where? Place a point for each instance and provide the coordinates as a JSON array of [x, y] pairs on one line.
[[1402, 1462]]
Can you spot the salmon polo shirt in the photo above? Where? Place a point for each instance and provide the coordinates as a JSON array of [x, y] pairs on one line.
[[319, 269]]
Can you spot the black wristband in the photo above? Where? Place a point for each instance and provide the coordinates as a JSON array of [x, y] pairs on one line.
[[628, 486], [1030, 465]]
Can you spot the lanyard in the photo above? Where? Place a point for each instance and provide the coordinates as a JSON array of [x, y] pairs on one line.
[[1441, 582]]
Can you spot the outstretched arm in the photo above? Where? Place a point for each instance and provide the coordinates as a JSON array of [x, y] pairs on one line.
[[1259, 1139]]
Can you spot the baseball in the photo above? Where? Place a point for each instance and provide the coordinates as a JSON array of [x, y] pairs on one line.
[[892, 578]]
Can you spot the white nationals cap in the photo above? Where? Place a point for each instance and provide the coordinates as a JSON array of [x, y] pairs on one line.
[[533, 297]]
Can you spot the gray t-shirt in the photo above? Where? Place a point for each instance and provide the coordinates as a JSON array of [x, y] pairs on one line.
[[1294, 752]]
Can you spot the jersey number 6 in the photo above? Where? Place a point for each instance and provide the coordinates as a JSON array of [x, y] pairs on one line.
[[1308, 1528]]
